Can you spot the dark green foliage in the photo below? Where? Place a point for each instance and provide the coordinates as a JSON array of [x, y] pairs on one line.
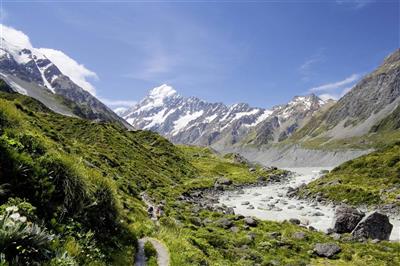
[[23, 243]]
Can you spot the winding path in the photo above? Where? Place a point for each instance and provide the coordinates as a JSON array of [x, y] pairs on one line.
[[162, 250]]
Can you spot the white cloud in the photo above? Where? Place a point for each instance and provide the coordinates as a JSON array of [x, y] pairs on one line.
[[306, 69], [355, 3], [336, 85], [15, 37], [78, 73], [118, 103]]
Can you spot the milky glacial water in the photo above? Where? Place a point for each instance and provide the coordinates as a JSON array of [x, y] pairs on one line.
[[271, 203]]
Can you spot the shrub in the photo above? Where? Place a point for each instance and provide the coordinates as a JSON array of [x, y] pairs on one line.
[[149, 250], [22, 242]]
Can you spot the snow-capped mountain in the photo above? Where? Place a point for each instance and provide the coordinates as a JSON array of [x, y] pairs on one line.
[[194, 121], [28, 71]]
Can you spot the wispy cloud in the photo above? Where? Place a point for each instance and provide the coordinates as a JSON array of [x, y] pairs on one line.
[[337, 89], [337, 84], [355, 3], [307, 68], [117, 103]]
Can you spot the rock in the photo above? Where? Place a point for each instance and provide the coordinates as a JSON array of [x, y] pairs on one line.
[[335, 236], [245, 203], [250, 207], [223, 181], [299, 235], [294, 221], [224, 223], [196, 221], [237, 158], [347, 219], [327, 250], [375, 226], [256, 194], [375, 241], [235, 229], [274, 234], [304, 221], [238, 217], [250, 221], [240, 191], [312, 228], [318, 214], [262, 178], [251, 236], [230, 211], [291, 207], [252, 170]]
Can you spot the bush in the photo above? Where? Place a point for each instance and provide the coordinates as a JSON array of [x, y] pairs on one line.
[[149, 250], [22, 242]]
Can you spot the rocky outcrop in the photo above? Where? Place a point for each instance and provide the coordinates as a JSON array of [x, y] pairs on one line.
[[373, 226], [327, 250], [347, 219]]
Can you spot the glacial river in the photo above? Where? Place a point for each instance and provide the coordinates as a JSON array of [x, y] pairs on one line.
[[271, 203]]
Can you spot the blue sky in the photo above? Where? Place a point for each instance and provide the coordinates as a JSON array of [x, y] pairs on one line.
[[258, 52]]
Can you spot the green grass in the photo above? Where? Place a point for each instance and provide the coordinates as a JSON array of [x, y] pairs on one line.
[[371, 179], [83, 181]]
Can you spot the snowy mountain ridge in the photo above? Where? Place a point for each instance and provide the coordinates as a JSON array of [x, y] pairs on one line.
[[194, 121]]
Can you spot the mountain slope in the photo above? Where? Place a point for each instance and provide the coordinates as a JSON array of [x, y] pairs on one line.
[[372, 101], [194, 121], [28, 71]]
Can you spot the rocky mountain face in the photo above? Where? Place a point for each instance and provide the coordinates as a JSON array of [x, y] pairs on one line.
[[363, 109], [194, 121], [31, 73]]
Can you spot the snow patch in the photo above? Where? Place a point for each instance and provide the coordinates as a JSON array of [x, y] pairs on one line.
[[183, 121], [262, 117]]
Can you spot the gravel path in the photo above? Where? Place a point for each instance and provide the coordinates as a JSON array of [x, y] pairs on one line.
[[162, 252]]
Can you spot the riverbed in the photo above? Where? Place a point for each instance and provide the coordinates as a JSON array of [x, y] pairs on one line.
[[271, 203]]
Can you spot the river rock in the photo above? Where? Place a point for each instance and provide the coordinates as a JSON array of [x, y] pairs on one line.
[[250, 207], [230, 210], [294, 221], [250, 221], [374, 226], [223, 181], [347, 219], [327, 250], [245, 203]]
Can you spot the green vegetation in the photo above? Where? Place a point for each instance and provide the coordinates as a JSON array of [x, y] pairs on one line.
[[150, 253], [70, 195], [371, 179]]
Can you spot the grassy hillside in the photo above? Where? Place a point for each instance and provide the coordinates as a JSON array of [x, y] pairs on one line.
[[370, 179], [70, 195], [81, 179]]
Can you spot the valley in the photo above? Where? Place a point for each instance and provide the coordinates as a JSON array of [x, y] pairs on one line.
[[181, 181]]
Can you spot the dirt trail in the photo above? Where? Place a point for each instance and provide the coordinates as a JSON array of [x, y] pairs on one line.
[[162, 250]]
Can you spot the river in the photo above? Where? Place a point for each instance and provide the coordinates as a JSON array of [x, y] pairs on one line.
[[271, 203]]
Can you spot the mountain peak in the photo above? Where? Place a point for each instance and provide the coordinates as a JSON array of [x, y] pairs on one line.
[[162, 92]]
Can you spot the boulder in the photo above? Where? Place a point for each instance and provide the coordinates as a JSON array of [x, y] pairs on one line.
[[224, 223], [223, 181], [347, 219], [327, 250], [374, 226], [299, 235], [294, 221], [250, 221]]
